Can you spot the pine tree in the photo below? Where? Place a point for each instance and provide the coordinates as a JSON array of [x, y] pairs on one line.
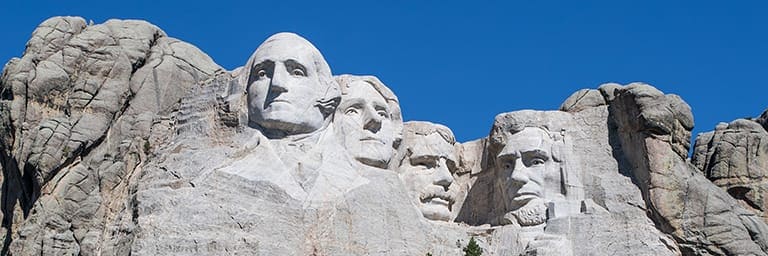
[[472, 249]]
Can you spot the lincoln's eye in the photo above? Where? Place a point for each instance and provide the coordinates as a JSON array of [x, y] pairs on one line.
[[537, 161], [297, 72]]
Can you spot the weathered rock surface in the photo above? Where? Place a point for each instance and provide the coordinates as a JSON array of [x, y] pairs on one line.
[[85, 107], [116, 139], [701, 217], [735, 157]]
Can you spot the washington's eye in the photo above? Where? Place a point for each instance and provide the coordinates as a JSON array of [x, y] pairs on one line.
[[508, 166], [262, 73], [297, 72]]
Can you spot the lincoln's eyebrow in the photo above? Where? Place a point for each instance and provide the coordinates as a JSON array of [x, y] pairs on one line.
[[540, 153]]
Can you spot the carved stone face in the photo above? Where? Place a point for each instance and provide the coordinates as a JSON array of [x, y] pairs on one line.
[[365, 121], [285, 85], [531, 175], [428, 173]]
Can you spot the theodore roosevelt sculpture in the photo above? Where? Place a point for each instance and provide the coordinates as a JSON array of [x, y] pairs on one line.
[[427, 160]]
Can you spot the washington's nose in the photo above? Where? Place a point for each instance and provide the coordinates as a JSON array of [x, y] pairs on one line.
[[443, 176], [372, 121], [277, 83]]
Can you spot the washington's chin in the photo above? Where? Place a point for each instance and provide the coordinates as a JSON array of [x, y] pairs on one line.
[[378, 162], [437, 210], [374, 154], [290, 120]]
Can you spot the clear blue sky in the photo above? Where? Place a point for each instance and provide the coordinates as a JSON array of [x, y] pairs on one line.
[[461, 63]]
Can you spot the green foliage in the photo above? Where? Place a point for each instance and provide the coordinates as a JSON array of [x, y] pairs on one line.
[[147, 147], [472, 249]]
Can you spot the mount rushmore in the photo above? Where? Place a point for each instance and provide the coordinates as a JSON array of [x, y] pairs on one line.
[[116, 139]]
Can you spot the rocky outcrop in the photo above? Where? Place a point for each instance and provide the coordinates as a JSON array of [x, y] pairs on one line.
[[704, 220], [735, 157], [116, 139], [87, 105]]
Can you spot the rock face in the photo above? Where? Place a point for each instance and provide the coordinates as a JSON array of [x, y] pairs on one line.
[[116, 139], [735, 157]]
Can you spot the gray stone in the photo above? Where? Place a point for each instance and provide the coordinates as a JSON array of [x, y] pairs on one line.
[[735, 158], [83, 102], [763, 119], [582, 99], [701, 217], [116, 139]]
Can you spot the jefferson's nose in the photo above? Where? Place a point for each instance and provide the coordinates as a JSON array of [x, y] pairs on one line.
[[372, 121], [442, 175]]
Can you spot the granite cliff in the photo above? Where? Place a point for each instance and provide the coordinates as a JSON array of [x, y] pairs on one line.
[[116, 139]]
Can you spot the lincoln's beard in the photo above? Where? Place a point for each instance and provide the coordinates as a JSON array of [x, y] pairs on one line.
[[531, 214]]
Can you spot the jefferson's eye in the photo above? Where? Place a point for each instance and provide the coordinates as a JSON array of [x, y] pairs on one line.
[[262, 73], [297, 72]]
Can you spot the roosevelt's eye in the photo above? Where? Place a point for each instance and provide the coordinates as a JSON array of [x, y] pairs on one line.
[[297, 72], [262, 73]]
